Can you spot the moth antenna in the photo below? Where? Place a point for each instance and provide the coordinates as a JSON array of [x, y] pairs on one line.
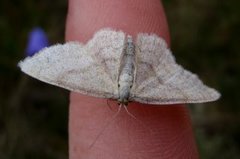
[[139, 121], [109, 106], [106, 126], [130, 114]]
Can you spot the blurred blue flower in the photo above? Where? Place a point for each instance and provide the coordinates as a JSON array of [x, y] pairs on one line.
[[37, 39]]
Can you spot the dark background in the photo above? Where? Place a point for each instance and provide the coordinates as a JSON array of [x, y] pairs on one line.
[[34, 115]]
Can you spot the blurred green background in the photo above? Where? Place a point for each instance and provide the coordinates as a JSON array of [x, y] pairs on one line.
[[205, 39]]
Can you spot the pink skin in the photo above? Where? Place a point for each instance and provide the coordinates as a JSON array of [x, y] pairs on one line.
[[165, 131]]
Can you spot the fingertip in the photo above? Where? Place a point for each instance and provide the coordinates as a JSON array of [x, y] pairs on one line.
[[130, 16], [88, 114]]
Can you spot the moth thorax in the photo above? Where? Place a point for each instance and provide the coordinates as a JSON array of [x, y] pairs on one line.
[[125, 77]]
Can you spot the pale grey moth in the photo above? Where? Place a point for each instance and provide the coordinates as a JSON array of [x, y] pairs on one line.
[[113, 65]]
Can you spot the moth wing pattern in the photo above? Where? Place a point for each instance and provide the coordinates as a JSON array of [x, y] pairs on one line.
[[160, 80], [90, 69]]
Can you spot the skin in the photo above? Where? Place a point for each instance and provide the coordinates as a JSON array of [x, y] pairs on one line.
[[160, 132]]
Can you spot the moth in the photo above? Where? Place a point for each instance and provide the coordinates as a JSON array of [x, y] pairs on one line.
[[114, 65]]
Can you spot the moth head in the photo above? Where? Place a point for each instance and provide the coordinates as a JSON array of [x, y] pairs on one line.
[[123, 102]]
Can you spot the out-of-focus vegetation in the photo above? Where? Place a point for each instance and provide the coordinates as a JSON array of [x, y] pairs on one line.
[[33, 115], [205, 39]]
